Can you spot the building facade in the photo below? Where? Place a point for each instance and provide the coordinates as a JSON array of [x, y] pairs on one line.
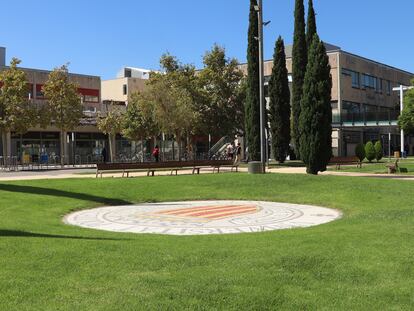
[[84, 143], [364, 107], [128, 81]]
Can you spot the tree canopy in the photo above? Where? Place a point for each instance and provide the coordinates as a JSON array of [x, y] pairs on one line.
[[63, 104], [16, 113], [279, 103], [406, 119], [299, 61], [252, 105], [316, 112], [223, 92]]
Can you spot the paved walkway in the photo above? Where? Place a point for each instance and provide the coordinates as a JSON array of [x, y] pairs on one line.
[[90, 173], [202, 217]]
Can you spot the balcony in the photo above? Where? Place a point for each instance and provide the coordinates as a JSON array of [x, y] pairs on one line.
[[369, 118]]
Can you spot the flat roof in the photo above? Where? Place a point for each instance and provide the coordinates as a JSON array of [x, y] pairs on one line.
[[330, 49], [49, 71]]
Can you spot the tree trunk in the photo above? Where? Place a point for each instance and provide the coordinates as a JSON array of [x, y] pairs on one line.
[[179, 147], [21, 150], [142, 150], [4, 143], [110, 147], [62, 148]]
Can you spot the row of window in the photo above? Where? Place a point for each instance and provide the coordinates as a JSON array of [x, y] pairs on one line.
[[355, 112], [88, 95], [362, 80]]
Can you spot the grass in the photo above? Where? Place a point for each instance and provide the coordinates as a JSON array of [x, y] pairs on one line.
[[407, 166], [365, 261]]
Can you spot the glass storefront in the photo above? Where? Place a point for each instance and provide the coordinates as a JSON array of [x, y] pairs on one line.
[[88, 147], [35, 146]]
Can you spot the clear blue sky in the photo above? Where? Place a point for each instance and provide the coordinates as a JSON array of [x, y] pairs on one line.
[[99, 37]]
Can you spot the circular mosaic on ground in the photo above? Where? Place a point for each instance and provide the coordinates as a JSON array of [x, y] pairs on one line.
[[202, 217]]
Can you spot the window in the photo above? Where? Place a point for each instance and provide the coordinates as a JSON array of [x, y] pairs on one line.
[[354, 76], [89, 109], [128, 73], [89, 95], [91, 98], [351, 112], [379, 85], [124, 89], [369, 81], [39, 92], [388, 87]]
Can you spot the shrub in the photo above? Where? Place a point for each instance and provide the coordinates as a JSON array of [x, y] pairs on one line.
[[370, 151], [360, 152], [378, 150]]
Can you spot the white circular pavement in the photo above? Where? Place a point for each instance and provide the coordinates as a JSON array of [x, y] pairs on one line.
[[202, 217]]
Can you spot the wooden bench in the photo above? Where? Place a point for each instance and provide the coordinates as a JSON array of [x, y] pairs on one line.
[[172, 166], [392, 167], [338, 161]]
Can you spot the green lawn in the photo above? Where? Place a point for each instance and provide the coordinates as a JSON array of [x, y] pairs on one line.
[[407, 166], [364, 261]]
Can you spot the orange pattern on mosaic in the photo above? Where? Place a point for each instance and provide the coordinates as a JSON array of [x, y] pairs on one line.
[[211, 212]]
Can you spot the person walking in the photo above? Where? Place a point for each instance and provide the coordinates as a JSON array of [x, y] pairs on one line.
[[238, 153], [230, 151], [156, 153]]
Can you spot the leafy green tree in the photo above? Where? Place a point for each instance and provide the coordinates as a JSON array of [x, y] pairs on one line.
[[172, 96], [111, 124], [311, 29], [174, 109], [370, 151], [406, 119], [379, 153], [63, 104], [299, 61], [16, 113], [222, 107], [252, 106], [279, 105], [139, 121], [360, 152], [316, 113]]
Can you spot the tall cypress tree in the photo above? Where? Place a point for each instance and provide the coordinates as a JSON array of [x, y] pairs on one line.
[[316, 114], [311, 29], [252, 109], [299, 60], [279, 105]]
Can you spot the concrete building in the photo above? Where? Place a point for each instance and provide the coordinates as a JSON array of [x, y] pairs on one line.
[[128, 81], [364, 107], [85, 141]]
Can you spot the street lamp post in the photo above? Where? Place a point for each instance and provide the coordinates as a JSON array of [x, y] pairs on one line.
[[259, 9], [402, 89]]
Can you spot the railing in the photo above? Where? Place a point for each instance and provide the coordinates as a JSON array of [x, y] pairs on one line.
[[367, 117], [8, 163], [218, 147]]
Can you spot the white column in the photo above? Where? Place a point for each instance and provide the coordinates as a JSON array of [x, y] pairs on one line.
[[402, 107], [66, 147]]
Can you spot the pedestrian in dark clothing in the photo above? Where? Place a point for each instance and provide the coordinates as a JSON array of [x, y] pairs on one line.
[[103, 153]]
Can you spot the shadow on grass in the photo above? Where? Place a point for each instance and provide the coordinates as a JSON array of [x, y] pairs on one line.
[[62, 193], [16, 233]]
